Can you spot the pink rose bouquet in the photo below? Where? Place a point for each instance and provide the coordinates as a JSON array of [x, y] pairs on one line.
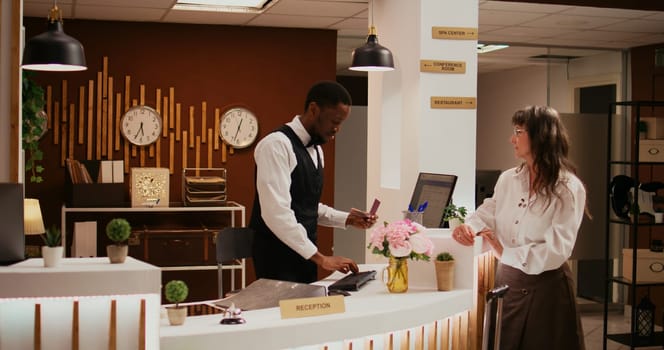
[[401, 239]]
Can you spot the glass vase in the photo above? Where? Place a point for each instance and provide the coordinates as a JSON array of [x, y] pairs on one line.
[[397, 275]]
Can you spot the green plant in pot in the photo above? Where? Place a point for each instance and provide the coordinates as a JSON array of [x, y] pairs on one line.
[[52, 251], [118, 230], [444, 265], [454, 215], [176, 291], [34, 125]]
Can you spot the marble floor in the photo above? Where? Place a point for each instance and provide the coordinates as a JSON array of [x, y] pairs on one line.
[[592, 321]]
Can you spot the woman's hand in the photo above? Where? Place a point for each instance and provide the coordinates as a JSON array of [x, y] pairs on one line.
[[464, 235]]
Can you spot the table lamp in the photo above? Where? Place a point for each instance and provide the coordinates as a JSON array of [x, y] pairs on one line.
[[32, 217]]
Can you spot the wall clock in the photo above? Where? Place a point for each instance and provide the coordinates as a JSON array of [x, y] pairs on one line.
[[141, 125], [149, 187], [238, 127]]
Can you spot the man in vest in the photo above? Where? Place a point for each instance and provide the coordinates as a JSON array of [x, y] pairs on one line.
[[289, 183]]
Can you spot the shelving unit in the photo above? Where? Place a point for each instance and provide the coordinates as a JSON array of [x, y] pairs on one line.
[[629, 165], [180, 239]]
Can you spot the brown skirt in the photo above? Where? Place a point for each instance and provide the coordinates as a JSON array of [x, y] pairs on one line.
[[539, 311]]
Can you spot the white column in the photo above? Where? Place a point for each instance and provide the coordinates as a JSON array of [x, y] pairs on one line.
[[405, 135]]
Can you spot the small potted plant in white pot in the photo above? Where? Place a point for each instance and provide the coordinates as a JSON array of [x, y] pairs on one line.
[[444, 271], [176, 291], [52, 251], [118, 231], [454, 215]]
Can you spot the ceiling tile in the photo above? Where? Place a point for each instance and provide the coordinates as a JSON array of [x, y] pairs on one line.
[[573, 22], [637, 25], [605, 12], [160, 4], [316, 8], [119, 13], [531, 31], [353, 23], [184, 16], [268, 20], [600, 35], [36, 9], [506, 18], [522, 7]]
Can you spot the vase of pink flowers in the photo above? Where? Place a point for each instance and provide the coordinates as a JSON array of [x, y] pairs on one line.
[[400, 241]]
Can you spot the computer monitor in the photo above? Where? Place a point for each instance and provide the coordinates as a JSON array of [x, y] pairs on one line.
[[436, 190], [12, 239]]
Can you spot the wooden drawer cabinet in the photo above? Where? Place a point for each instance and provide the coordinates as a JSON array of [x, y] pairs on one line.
[[174, 248]]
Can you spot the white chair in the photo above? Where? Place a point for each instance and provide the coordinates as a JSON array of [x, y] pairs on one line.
[[233, 247]]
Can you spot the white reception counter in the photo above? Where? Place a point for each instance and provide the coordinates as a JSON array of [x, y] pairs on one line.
[[371, 315]]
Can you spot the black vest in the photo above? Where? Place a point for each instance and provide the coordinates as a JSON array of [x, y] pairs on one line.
[[305, 190]]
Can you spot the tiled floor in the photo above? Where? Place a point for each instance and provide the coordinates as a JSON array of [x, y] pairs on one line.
[[592, 321]]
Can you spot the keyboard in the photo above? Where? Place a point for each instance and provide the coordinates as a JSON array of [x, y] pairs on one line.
[[353, 281]]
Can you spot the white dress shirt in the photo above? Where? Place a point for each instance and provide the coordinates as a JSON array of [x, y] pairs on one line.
[[535, 238], [275, 161]]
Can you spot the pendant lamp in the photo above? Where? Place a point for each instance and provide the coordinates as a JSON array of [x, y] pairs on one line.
[[54, 50], [372, 57]]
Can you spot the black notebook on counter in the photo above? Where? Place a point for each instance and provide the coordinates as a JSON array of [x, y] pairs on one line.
[[353, 281]]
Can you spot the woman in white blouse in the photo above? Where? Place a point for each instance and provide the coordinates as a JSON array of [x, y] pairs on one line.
[[531, 224]]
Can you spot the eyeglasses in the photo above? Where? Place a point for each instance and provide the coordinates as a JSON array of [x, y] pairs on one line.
[[518, 132]]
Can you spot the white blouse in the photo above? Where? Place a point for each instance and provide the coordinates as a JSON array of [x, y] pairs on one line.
[[535, 238], [275, 161]]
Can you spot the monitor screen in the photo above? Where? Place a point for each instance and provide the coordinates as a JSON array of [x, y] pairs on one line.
[[12, 239], [436, 190]]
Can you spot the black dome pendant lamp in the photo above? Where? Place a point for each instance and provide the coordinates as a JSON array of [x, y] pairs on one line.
[[372, 57], [54, 50]]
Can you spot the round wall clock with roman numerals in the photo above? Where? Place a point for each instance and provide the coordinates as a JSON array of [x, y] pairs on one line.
[[141, 125], [238, 127]]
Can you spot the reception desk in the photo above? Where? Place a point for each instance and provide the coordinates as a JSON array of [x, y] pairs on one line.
[[79, 277], [373, 318], [85, 303]]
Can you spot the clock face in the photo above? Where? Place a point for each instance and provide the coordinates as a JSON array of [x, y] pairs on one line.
[[141, 125], [238, 127]]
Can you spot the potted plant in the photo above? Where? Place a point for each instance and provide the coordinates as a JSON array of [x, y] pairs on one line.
[[444, 264], [454, 215], [176, 291], [118, 231], [52, 251]]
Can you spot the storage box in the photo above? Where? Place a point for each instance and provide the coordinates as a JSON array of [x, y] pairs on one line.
[[649, 265], [95, 195], [655, 127], [651, 151]]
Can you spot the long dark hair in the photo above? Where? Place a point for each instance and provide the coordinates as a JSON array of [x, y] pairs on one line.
[[549, 146]]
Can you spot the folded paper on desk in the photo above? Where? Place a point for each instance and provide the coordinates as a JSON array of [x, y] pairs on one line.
[[265, 293]]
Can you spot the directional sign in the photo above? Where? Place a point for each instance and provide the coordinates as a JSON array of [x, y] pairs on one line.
[[445, 102], [454, 33], [437, 66]]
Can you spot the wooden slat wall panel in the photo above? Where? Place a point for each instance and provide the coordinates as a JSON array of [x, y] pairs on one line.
[[90, 143], [98, 121]]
